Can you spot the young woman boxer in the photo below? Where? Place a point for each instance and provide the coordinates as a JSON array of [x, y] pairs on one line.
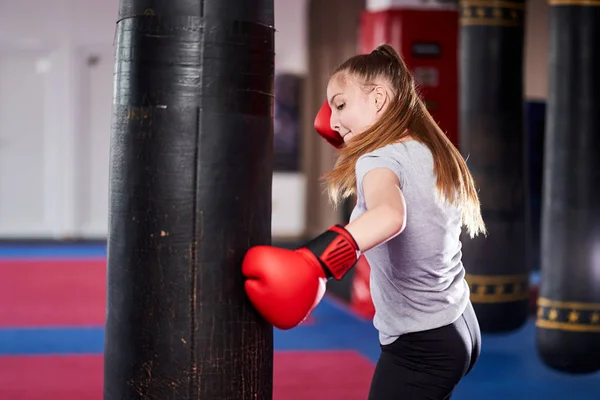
[[414, 196]]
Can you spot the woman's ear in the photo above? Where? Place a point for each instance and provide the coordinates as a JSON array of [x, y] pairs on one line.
[[380, 97]]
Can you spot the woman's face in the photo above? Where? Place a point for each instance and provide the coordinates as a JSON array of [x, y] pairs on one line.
[[354, 109]]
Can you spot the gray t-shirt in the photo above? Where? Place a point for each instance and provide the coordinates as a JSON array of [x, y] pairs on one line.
[[417, 278]]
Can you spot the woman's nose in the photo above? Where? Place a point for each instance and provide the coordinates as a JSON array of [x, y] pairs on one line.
[[334, 124]]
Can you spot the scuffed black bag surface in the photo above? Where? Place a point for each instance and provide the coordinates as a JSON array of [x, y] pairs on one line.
[[190, 188]]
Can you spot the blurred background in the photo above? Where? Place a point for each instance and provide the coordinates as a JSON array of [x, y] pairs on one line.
[[56, 86]]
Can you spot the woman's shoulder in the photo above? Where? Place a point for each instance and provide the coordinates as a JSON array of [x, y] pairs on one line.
[[387, 152], [397, 151], [384, 157]]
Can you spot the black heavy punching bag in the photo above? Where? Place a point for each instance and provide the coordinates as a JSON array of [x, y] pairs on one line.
[[190, 192], [493, 142], [568, 320]]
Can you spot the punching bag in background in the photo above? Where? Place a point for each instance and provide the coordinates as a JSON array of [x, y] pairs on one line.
[[492, 139], [568, 320], [190, 192]]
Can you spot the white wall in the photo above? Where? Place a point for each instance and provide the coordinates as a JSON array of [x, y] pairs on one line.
[[56, 71]]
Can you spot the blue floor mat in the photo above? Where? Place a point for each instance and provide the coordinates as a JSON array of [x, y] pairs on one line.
[[46, 251]]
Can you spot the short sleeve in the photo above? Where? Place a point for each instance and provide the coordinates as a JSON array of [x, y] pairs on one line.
[[374, 160]]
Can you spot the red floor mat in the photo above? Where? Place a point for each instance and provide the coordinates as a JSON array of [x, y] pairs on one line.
[[52, 292], [55, 293], [297, 376], [321, 375], [51, 378]]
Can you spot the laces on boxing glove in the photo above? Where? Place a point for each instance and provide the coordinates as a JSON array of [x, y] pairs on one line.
[[336, 250]]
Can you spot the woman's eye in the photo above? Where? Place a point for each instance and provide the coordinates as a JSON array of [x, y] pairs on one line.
[[341, 107]]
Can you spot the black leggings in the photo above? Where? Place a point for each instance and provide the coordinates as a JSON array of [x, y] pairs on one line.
[[429, 364]]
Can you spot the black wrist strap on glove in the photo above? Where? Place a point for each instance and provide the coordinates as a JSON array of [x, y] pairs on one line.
[[336, 250]]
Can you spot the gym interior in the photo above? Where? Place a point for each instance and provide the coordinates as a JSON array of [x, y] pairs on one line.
[[512, 83]]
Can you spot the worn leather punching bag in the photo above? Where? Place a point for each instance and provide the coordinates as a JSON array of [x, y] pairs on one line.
[[492, 139], [190, 192], [568, 319]]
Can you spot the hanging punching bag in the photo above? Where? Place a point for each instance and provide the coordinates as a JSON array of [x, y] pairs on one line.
[[493, 142], [190, 193], [568, 320]]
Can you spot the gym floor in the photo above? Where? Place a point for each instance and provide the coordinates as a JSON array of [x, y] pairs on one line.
[[51, 341]]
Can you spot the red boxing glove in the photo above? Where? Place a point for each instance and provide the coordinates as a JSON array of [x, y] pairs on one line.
[[286, 285], [323, 126]]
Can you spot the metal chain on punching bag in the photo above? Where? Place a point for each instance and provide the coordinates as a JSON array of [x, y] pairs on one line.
[[568, 319], [190, 189], [492, 140]]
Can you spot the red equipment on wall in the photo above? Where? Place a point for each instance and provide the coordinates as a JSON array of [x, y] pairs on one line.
[[427, 40]]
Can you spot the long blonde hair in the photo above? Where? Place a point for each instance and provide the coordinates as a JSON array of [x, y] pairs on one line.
[[406, 115]]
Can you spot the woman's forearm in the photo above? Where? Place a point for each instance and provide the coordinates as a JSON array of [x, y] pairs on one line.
[[377, 226]]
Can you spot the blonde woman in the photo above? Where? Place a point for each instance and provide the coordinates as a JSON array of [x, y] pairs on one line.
[[414, 196]]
